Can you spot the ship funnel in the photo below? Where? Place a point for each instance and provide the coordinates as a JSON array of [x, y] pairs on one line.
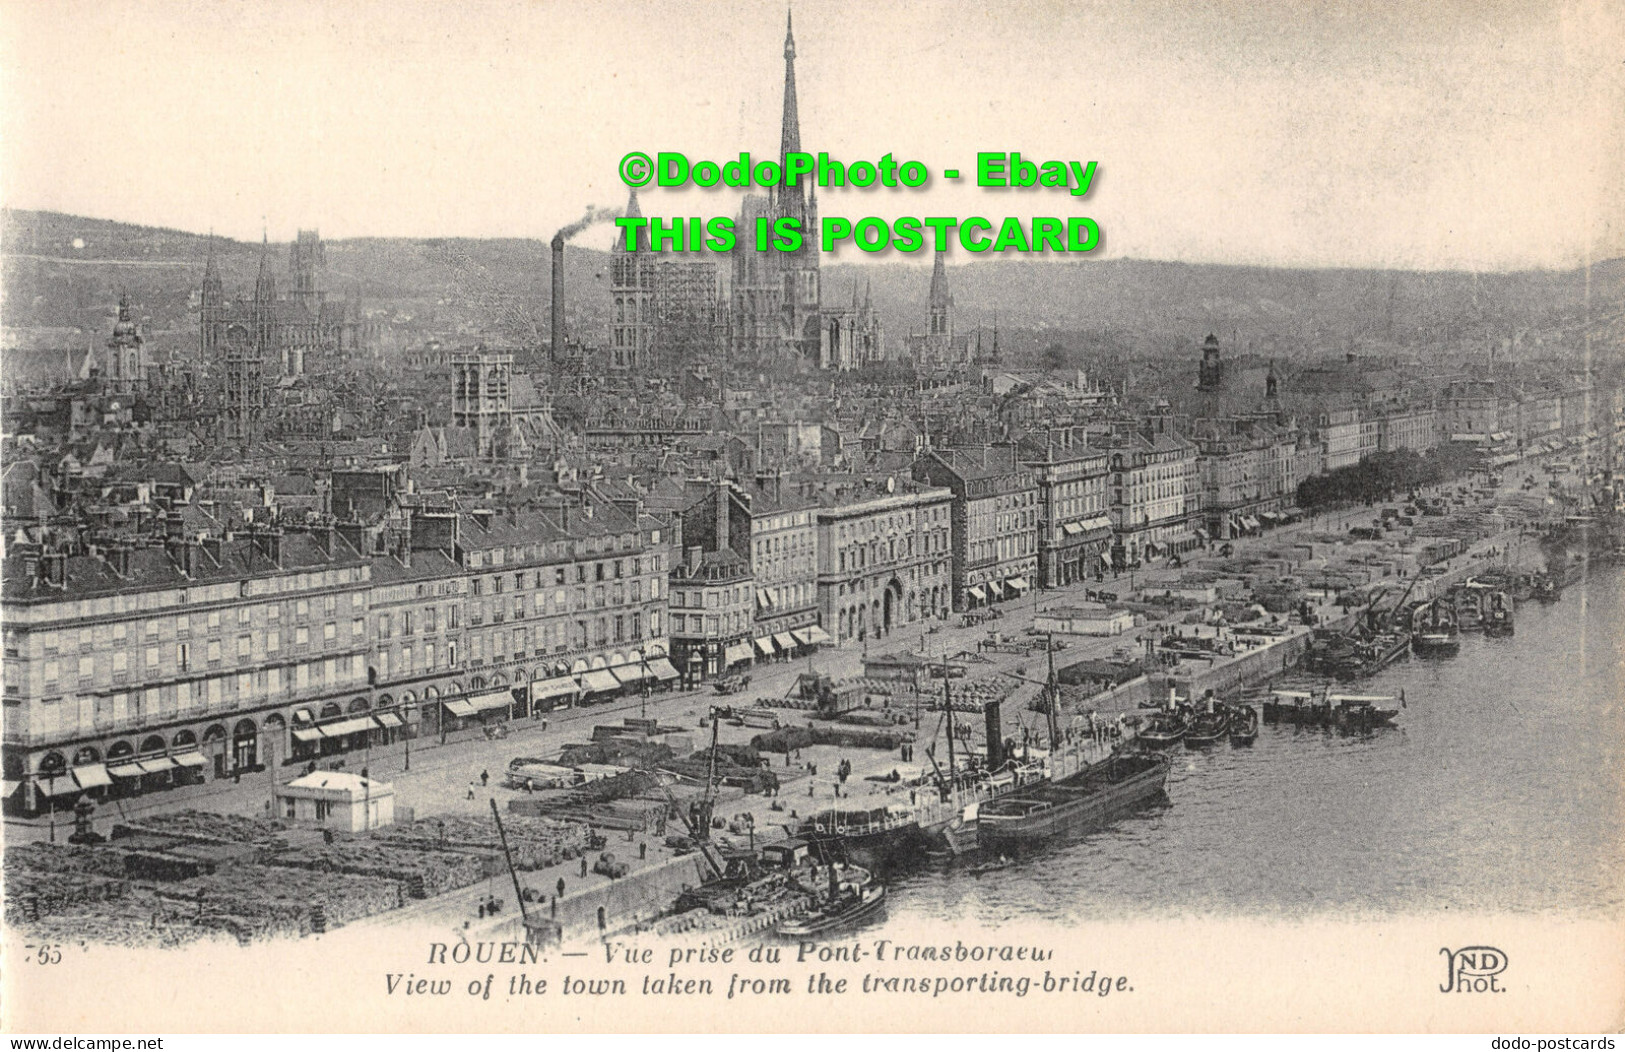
[[995, 736]]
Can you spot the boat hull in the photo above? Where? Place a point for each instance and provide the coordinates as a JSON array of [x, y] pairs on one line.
[[1074, 808], [872, 903]]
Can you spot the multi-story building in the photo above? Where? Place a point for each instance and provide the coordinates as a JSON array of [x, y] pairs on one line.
[[1074, 508], [133, 669], [1154, 493], [995, 520], [884, 555], [1244, 465], [573, 588], [1415, 429], [775, 528], [1343, 440], [712, 606]]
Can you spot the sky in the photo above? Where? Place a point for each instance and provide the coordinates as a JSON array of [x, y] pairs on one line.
[[1460, 134]]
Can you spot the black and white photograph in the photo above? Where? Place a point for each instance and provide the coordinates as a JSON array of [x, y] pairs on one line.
[[928, 516]]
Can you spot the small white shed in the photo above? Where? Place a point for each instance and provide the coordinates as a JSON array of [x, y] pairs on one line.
[[338, 800]]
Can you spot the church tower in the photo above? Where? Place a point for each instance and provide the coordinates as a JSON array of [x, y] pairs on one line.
[[632, 281], [1210, 374], [125, 360], [307, 258], [212, 319]]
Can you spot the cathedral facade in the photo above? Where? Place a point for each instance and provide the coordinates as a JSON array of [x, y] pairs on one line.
[[301, 331]]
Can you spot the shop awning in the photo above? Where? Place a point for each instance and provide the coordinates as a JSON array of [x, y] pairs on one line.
[[459, 707], [995, 589], [190, 759], [977, 594], [662, 670], [598, 681], [764, 646], [353, 725], [1018, 583], [785, 640], [156, 764], [816, 634], [803, 636], [91, 775], [492, 700], [557, 687], [762, 599], [628, 674], [1201, 533], [61, 785], [388, 720], [129, 769], [1106, 559], [1072, 529], [303, 716], [578, 667], [301, 734], [736, 653]]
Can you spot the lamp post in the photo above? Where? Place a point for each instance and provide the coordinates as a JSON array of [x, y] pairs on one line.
[[406, 730]]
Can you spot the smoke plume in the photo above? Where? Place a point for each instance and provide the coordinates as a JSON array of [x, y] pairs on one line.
[[593, 215]]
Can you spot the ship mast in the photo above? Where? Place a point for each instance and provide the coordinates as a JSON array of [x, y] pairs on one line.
[[948, 711], [1053, 696]]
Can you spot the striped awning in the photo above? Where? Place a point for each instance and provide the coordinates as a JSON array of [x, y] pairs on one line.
[[556, 687], [339, 728], [492, 700], [598, 681], [628, 674]]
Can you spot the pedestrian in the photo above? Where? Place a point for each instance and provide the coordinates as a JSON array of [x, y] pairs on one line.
[[471, 790], [485, 778], [583, 865], [482, 911], [553, 905], [643, 850], [561, 887], [544, 723]]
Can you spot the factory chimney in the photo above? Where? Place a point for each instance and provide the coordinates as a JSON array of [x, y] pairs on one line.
[[558, 297]]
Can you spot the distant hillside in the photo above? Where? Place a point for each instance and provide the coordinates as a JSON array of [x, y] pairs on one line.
[[64, 271]]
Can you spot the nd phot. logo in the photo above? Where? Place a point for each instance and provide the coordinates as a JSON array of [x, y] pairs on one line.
[[1472, 970]]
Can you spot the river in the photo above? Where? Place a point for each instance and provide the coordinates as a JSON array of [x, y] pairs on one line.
[[1501, 789]]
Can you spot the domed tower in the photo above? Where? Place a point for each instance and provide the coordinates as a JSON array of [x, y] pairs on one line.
[[125, 366]]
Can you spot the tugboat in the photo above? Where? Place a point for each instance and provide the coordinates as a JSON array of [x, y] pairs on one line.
[[1164, 728], [848, 903], [1498, 615], [1435, 630], [1209, 726], [1243, 725]]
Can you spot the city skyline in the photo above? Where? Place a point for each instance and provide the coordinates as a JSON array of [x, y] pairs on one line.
[[404, 138]]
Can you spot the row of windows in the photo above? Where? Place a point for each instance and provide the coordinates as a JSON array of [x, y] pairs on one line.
[[214, 621]]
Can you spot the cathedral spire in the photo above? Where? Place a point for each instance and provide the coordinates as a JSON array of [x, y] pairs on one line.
[[790, 133], [939, 282], [265, 284], [210, 271]]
